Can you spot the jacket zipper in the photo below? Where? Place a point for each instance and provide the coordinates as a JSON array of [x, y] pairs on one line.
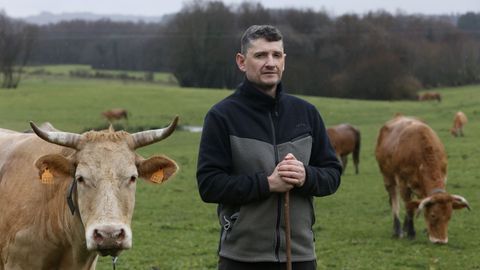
[[279, 197]]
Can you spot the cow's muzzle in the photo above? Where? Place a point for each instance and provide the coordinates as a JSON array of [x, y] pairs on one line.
[[109, 239], [439, 241]]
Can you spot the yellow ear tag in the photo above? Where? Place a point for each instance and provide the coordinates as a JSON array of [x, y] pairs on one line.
[[47, 177], [157, 177]]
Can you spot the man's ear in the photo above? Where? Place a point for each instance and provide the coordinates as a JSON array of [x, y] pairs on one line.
[[156, 169], [240, 59], [53, 166]]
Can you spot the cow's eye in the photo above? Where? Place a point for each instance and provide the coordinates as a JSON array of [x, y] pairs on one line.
[[79, 178], [133, 178]]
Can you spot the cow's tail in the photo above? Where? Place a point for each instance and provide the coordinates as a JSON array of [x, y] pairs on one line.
[[356, 150]]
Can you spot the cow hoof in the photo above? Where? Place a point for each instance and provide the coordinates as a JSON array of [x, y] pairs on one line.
[[397, 236]]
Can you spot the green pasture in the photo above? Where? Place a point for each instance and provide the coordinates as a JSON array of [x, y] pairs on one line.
[[64, 70], [174, 229]]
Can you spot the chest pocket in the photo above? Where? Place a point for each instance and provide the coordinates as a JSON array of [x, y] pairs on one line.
[[300, 147]]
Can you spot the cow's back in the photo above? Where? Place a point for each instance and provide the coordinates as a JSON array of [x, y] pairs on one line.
[[460, 119], [343, 138], [10, 141], [409, 149], [18, 153]]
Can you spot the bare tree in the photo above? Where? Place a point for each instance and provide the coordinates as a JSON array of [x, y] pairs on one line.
[[202, 45], [16, 43]]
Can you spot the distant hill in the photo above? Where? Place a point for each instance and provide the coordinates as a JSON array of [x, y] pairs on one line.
[[47, 18]]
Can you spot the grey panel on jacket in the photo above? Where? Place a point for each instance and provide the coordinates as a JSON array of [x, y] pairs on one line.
[[251, 156], [300, 148]]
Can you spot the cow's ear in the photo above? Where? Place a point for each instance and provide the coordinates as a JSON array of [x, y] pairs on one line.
[[157, 169], [459, 202], [412, 206], [53, 166]]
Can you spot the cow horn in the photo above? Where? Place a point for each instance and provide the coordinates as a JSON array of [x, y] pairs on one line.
[[462, 200], [61, 138], [422, 204], [144, 138]]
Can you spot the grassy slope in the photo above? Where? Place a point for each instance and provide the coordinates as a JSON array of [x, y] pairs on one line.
[[173, 229]]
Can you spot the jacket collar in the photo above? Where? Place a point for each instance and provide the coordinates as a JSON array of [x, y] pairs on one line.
[[247, 90]]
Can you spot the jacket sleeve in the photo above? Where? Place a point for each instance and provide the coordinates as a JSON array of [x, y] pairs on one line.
[[324, 170], [215, 182]]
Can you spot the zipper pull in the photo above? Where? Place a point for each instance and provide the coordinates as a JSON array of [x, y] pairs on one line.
[[227, 224]]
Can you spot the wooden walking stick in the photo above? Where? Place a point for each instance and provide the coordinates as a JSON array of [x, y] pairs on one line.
[[286, 210], [288, 249]]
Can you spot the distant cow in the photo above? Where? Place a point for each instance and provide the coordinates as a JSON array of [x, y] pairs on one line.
[[65, 197], [115, 114], [429, 96], [459, 121], [413, 162], [345, 138]]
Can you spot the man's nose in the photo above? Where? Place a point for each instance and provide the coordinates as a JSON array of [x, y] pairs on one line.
[[270, 61]]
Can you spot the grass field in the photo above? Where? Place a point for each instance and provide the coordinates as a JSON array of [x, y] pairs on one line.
[[174, 229], [65, 70]]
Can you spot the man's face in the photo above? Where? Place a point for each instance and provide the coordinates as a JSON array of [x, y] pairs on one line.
[[263, 63]]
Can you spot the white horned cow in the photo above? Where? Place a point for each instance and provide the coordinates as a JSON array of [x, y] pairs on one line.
[[66, 198], [413, 162]]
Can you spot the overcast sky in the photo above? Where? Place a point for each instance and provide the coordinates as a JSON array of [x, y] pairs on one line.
[[22, 8]]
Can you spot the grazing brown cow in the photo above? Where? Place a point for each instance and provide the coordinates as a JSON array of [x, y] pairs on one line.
[[413, 162], [345, 138], [429, 96], [459, 121], [115, 114], [96, 171]]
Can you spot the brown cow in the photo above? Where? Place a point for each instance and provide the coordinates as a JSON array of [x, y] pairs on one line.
[[345, 139], [429, 96], [413, 162], [459, 121], [115, 114], [97, 171]]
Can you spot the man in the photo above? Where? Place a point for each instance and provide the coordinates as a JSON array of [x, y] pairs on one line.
[[256, 145]]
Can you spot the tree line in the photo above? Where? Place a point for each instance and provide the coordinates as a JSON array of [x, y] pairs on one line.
[[16, 43], [377, 55]]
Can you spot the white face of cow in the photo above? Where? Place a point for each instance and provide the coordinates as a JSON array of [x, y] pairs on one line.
[[106, 180], [106, 168]]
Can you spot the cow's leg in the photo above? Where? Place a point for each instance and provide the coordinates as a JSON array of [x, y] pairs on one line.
[[344, 162], [408, 226], [395, 206], [461, 131]]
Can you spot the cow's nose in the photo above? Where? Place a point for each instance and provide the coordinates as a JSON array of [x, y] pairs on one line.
[[108, 233], [108, 237], [438, 241], [111, 236]]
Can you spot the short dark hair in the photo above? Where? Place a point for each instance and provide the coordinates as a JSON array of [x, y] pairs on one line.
[[254, 32]]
